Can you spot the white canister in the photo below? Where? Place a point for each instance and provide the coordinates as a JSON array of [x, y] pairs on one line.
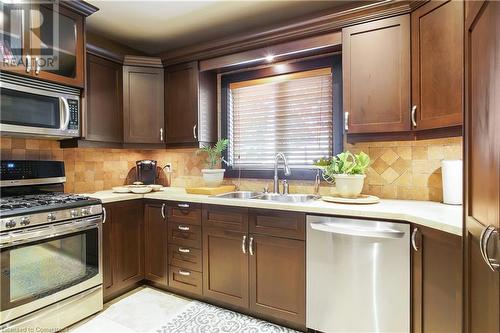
[[452, 172]]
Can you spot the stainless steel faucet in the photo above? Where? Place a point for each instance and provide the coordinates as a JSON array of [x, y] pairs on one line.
[[285, 168]]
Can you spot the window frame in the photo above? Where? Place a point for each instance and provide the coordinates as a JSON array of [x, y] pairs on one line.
[[335, 63]]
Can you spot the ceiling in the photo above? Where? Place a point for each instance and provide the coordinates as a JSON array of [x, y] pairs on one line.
[[157, 26]]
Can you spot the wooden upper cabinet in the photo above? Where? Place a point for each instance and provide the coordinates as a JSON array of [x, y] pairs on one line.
[[155, 232], [143, 110], [181, 103], [437, 64], [437, 281], [190, 105], [376, 75], [104, 114], [41, 49]]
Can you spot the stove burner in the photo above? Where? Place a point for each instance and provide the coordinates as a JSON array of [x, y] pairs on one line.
[[29, 201]]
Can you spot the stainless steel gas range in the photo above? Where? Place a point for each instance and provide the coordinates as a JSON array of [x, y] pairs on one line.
[[50, 247]]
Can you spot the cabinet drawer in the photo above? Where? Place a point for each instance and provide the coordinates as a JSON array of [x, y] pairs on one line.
[[184, 279], [185, 257], [277, 223], [227, 218], [184, 235], [184, 212]]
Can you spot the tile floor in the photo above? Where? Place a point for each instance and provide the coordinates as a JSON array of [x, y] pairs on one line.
[[149, 310]]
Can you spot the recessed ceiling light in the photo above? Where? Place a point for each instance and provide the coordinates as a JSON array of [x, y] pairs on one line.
[[269, 58]]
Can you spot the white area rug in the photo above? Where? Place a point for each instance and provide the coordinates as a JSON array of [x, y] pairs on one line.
[[153, 311]]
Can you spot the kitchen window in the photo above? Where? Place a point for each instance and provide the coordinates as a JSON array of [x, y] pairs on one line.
[[291, 108]]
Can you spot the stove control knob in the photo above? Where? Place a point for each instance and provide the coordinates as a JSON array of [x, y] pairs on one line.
[[74, 213], [25, 221], [85, 211], [10, 224], [51, 217]]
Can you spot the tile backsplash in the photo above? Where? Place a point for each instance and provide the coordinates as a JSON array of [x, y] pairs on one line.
[[399, 169]]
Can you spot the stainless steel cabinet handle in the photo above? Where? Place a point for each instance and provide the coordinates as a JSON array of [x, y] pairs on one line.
[[184, 250], [37, 66], [413, 241], [183, 205], [413, 115], [161, 134], [28, 63], [195, 135], [104, 215], [183, 228], [250, 246], [346, 121], [483, 243], [243, 244], [185, 273], [163, 211]]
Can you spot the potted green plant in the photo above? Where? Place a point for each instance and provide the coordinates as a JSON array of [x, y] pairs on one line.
[[347, 171], [213, 176]]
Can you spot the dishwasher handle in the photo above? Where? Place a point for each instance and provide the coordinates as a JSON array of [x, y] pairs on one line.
[[354, 230]]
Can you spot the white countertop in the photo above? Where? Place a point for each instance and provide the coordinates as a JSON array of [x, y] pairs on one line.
[[435, 215]]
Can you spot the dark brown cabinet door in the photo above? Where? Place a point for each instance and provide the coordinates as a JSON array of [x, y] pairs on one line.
[[482, 168], [108, 262], [128, 232], [278, 278], [437, 64], [104, 115], [225, 266], [143, 120], [181, 103], [437, 281], [376, 75], [156, 249]]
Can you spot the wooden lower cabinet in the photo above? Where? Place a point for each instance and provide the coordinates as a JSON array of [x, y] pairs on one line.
[[123, 247], [155, 247], [225, 266], [255, 272], [437, 281], [278, 278]]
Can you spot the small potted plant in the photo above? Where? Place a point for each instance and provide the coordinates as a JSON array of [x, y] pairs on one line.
[[212, 176], [347, 171]]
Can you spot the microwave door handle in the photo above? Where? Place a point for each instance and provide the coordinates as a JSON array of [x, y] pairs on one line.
[[65, 108]]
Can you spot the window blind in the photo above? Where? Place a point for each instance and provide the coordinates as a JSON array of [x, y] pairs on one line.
[[289, 113]]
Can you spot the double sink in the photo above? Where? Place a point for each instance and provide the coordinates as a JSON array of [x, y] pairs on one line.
[[268, 196]]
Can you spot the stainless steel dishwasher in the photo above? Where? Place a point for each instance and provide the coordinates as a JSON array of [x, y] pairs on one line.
[[358, 275]]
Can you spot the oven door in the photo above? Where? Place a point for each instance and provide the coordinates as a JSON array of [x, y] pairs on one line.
[[34, 111], [43, 265]]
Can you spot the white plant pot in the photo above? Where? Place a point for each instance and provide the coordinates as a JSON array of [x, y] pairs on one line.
[[213, 177], [349, 186]]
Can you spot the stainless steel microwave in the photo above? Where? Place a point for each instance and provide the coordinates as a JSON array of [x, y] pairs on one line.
[[30, 107]]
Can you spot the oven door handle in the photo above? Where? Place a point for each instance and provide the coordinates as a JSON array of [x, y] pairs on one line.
[[65, 106], [51, 232]]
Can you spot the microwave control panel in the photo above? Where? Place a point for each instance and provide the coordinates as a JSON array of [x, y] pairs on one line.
[[73, 124]]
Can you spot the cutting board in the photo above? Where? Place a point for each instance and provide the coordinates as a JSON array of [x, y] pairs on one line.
[[211, 190]]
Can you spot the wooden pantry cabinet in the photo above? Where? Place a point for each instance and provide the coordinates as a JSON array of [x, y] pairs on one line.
[[437, 281], [123, 247], [248, 268]]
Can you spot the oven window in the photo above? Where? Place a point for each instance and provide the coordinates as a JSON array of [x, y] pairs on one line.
[[36, 270], [25, 109]]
